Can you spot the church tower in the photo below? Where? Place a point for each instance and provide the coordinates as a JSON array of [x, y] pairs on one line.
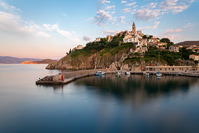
[[134, 28]]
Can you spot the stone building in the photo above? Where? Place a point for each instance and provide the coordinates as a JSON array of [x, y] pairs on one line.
[[194, 57], [79, 47], [174, 48]]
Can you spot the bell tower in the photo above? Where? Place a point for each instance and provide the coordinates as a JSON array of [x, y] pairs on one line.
[[133, 28]]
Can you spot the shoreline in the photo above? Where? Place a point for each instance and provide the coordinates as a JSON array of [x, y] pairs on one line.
[[74, 75]]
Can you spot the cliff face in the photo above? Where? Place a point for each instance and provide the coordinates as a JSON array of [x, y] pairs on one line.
[[102, 60]]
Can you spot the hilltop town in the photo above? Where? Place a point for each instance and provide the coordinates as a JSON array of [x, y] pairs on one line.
[[129, 50]]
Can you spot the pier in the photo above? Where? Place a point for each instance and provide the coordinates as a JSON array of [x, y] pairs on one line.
[[74, 75], [69, 76]]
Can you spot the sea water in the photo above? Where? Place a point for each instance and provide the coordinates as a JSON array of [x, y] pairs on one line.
[[117, 104]]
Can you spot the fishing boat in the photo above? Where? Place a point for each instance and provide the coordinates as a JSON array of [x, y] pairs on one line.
[[99, 73], [158, 74], [147, 74], [118, 73], [127, 73]]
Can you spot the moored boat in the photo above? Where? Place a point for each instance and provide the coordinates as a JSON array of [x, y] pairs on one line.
[[158, 74], [99, 73], [118, 73], [147, 74], [127, 73]]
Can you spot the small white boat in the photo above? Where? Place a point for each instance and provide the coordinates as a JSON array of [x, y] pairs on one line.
[[118, 73], [147, 74], [158, 74], [127, 73], [99, 73]]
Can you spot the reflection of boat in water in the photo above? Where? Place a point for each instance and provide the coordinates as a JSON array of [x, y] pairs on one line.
[[158, 74], [127, 73], [118, 73], [99, 73]]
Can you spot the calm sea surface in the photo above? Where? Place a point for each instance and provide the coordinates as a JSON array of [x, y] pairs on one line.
[[109, 104]]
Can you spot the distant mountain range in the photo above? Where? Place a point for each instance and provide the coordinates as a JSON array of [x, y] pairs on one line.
[[14, 60], [186, 43]]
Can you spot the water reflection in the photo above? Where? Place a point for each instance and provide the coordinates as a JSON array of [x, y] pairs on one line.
[[138, 88]]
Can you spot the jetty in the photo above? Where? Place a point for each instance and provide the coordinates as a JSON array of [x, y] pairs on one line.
[[69, 76], [74, 75]]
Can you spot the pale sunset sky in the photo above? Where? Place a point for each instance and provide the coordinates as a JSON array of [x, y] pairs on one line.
[[49, 28]]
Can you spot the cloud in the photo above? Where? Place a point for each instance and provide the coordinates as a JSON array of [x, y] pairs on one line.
[[8, 7], [110, 7], [111, 32], [150, 27], [103, 17], [172, 31], [153, 11], [131, 4], [126, 10], [189, 25], [86, 38], [172, 34], [13, 24], [122, 19], [105, 1], [70, 35], [146, 14], [123, 2], [172, 5]]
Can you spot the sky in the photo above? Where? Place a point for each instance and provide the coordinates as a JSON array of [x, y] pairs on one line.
[[50, 28]]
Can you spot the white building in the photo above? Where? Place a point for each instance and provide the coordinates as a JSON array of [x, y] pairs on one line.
[[97, 39], [79, 47], [133, 37], [174, 48]]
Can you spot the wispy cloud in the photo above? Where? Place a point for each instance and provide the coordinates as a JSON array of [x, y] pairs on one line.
[[154, 10], [189, 25], [111, 32], [110, 7], [126, 10], [105, 1], [103, 17], [131, 4], [122, 19], [70, 35], [13, 24], [123, 1], [172, 34], [150, 27], [8, 7]]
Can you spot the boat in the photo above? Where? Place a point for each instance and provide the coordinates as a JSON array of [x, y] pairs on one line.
[[158, 74], [118, 73], [147, 74], [99, 73], [127, 73]]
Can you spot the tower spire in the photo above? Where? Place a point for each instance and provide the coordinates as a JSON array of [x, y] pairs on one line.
[[134, 28]]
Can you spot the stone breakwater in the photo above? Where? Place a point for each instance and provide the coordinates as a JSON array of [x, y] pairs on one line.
[[73, 75], [69, 76]]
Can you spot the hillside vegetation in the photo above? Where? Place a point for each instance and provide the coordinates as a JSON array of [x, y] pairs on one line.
[[115, 54]]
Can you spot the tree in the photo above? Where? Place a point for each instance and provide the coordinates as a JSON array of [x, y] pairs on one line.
[[70, 51], [166, 40]]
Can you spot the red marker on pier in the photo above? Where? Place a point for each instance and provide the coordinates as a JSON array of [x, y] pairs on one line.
[[62, 77]]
